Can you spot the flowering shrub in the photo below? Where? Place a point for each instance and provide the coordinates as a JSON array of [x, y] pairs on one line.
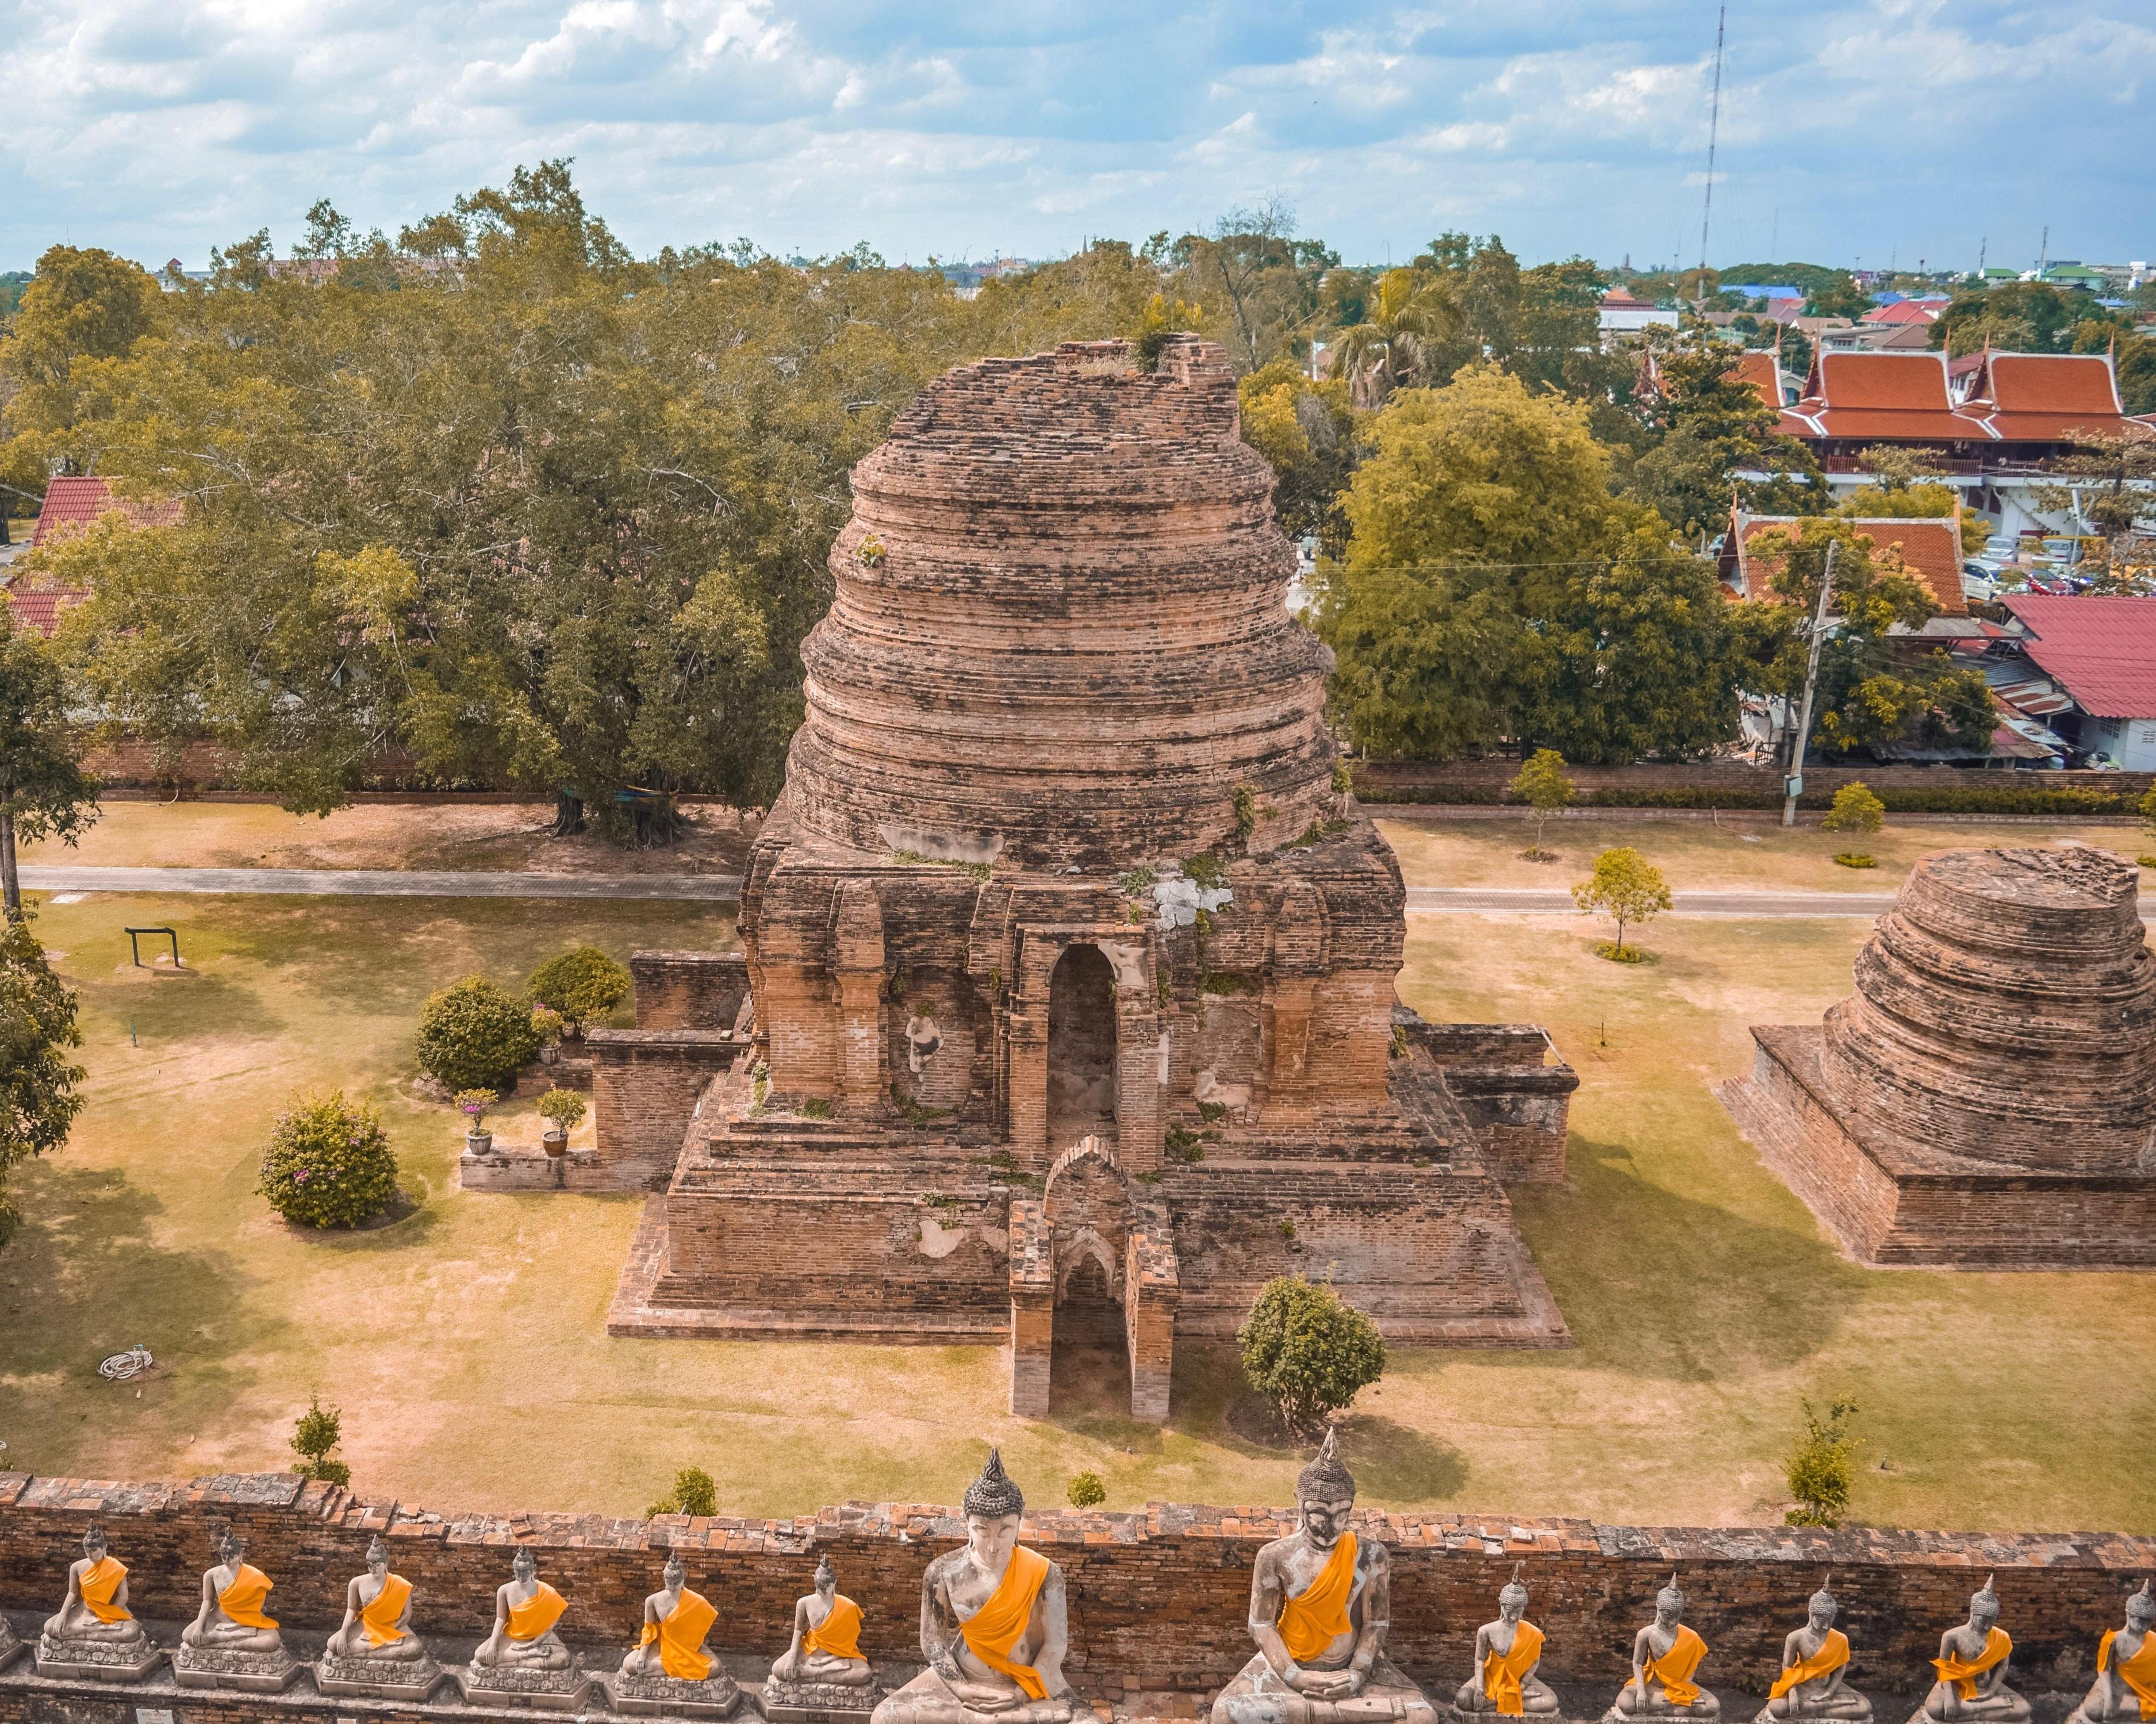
[[547, 1022], [474, 1104], [564, 1108], [328, 1163], [471, 1033]]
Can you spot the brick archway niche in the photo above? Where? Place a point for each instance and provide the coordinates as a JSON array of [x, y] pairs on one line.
[[1081, 1047]]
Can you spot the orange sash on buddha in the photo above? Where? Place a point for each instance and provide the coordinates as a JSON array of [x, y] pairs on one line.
[[680, 1637], [99, 1584], [998, 1625], [242, 1601], [1963, 1672], [1502, 1672], [536, 1615], [1832, 1655], [2137, 1673], [1316, 1616], [840, 1636], [1674, 1668], [380, 1618]]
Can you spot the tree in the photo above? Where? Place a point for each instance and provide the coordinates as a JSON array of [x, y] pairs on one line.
[[1307, 432], [1411, 313], [695, 1492], [1627, 887], [84, 303], [1087, 1491], [1706, 424], [318, 1431], [1542, 786], [472, 1033], [44, 793], [38, 1100], [582, 983], [1821, 1469], [1256, 281], [1856, 809], [1308, 1352], [2102, 483]]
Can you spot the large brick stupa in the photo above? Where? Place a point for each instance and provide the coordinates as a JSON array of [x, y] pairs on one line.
[[1070, 960]]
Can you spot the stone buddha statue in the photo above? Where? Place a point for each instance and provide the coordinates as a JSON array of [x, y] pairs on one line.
[[1506, 1652], [675, 1621], [1321, 1603], [93, 1629], [2125, 1691], [826, 1649], [525, 1609], [1972, 1668], [378, 1616], [993, 1626], [234, 1591], [1815, 1662], [1665, 1656]]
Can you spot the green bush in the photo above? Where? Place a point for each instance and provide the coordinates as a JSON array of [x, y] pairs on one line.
[[473, 1033], [583, 983], [1856, 809], [1823, 1466], [318, 1431], [695, 1492], [328, 1164], [1307, 1351], [1087, 1491]]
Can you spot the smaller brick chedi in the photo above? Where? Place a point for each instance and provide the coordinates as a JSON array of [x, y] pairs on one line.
[[1069, 959], [1987, 1097]]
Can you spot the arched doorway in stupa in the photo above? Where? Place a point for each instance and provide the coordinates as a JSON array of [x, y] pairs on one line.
[[1081, 1047], [1087, 1214]]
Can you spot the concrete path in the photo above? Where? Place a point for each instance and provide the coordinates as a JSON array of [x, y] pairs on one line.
[[1543, 901], [382, 883]]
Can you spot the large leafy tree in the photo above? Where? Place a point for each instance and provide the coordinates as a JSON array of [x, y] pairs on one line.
[[39, 1099], [1494, 590], [82, 304], [1707, 426], [44, 793], [1410, 316], [1308, 431]]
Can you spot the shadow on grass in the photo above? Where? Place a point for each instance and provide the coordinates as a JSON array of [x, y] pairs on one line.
[[1397, 1465]]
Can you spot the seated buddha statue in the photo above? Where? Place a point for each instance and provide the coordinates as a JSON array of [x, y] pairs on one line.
[[525, 1609], [377, 1615], [827, 1639], [2125, 1691], [96, 1608], [1320, 1605], [1665, 1656], [675, 1621], [1814, 1662], [994, 1624], [1972, 1668], [232, 1594], [1506, 1652]]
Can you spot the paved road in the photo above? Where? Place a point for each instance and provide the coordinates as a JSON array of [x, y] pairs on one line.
[[382, 883]]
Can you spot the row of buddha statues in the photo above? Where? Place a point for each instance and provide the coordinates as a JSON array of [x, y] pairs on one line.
[[995, 1633]]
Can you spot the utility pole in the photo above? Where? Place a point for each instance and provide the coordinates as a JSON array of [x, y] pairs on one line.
[[2044, 251], [1792, 786], [1713, 129]]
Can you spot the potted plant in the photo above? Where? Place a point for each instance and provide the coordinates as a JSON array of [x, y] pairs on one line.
[[562, 1110], [473, 1103], [550, 1025]]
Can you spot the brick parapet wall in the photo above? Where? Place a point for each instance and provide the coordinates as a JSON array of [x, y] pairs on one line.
[[644, 1086], [689, 990], [1158, 1597]]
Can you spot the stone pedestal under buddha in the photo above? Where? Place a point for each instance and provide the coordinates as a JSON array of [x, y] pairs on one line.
[[231, 1642], [374, 1654], [670, 1669], [93, 1633], [823, 1671]]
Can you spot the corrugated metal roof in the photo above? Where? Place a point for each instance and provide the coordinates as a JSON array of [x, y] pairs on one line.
[[2101, 649]]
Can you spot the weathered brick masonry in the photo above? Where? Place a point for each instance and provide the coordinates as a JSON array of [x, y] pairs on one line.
[[1158, 1599]]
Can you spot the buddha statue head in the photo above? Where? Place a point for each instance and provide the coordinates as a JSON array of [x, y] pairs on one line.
[[1669, 1602], [93, 1541], [827, 1579], [1325, 1495], [378, 1558], [524, 1565], [1824, 1608], [675, 1575], [1984, 1605], [1513, 1596], [993, 1508], [228, 1547], [2141, 1609]]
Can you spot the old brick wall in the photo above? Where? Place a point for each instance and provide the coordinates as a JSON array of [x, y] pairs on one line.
[[1475, 780], [688, 990], [644, 1086], [1158, 1599]]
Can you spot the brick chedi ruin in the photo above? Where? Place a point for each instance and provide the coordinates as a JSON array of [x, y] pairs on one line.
[[1987, 1097], [1066, 1003]]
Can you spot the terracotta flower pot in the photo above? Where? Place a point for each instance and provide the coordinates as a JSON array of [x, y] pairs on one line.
[[555, 1143]]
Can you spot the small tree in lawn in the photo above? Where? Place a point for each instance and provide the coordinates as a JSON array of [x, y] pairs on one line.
[[1627, 887], [329, 1163], [1856, 809], [2148, 807], [43, 790], [320, 1430], [695, 1492], [1822, 1467], [1308, 1352], [1542, 786], [39, 1099]]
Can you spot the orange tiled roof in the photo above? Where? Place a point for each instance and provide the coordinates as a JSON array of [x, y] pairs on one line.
[[2045, 398], [1931, 551], [73, 503], [1893, 397], [1761, 371]]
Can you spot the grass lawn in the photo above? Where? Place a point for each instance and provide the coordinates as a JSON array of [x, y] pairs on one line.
[[465, 1344], [1698, 854]]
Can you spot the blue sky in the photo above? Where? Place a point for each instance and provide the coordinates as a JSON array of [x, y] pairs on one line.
[[1851, 130]]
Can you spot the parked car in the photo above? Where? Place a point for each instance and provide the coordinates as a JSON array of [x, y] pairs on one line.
[[1978, 583]]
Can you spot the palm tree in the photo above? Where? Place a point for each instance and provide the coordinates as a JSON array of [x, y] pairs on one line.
[[1412, 313]]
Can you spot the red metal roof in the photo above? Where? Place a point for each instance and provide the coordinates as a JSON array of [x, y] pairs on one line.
[[1906, 311], [2101, 649], [75, 503]]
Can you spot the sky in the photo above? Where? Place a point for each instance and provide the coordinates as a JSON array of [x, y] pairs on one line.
[[1853, 132]]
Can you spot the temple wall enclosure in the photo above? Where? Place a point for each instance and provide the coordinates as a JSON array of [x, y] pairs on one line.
[[1158, 1597]]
